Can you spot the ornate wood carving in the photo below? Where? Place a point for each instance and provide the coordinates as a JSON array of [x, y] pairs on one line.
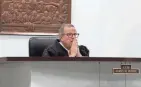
[[34, 15]]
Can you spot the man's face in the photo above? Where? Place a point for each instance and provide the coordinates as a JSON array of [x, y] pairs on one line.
[[68, 36]]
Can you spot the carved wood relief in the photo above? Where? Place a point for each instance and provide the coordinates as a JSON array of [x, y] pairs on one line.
[[34, 15]]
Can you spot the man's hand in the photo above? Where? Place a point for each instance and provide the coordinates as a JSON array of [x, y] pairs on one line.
[[78, 53], [74, 48]]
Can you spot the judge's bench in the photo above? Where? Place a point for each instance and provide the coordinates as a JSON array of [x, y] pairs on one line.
[[37, 71], [70, 72]]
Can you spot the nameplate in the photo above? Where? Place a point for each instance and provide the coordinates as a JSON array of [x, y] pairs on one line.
[[125, 69]]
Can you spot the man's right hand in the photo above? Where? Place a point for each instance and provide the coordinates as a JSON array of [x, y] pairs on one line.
[[74, 48]]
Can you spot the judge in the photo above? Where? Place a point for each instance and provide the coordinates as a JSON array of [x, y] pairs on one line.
[[67, 44]]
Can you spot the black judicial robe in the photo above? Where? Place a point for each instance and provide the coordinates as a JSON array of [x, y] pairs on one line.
[[56, 49]]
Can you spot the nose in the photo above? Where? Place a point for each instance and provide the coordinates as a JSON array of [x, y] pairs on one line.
[[73, 36]]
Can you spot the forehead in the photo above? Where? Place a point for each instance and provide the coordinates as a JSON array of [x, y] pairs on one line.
[[69, 30]]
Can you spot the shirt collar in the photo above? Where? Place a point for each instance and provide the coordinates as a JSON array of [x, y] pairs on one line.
[[64, 46]]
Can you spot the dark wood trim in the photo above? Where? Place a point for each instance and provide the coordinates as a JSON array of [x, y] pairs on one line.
[[101, 59], [3, 59], [26, 34], [35, 25], [53, 28]]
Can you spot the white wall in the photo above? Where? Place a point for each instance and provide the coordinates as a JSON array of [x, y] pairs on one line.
[[14, 45], [0, 49], [106, 27], [110, 27]]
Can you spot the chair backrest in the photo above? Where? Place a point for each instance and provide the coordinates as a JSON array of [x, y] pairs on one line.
[[38, 44]]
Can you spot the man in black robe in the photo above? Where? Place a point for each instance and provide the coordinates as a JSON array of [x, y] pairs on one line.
[[67, 44]]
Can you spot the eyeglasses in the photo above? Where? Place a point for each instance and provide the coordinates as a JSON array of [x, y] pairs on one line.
[[72, 34]]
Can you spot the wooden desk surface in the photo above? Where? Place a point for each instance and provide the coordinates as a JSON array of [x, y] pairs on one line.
[[118, 59]]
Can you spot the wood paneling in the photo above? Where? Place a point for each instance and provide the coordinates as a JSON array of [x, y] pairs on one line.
[[37, 16]]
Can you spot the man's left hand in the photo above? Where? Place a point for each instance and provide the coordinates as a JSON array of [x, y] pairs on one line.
[[78, 53]]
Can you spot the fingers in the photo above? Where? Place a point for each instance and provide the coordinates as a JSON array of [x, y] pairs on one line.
[[75, 43], [75, 40], [74, 48]]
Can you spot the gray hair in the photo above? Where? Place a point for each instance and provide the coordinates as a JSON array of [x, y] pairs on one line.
[[61, 30]]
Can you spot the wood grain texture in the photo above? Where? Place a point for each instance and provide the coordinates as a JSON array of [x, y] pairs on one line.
[[34, 15]]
